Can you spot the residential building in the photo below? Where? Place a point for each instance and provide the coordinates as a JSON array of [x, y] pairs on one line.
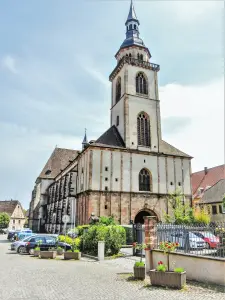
[[213, 199], [204, 179], [15, 211]]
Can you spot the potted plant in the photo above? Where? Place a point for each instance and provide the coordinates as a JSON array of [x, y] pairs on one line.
[[139, 266], [36, 252], [162, 275], [51, 253], [37, 249], [74, 253], [59, 250]]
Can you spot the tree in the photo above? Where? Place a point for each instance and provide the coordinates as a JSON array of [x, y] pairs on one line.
[[4, 220], [182, 213]]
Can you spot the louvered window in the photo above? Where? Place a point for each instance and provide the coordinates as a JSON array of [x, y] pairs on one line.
[[141, 82], [143, 130]]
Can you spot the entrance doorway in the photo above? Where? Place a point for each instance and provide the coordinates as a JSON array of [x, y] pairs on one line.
[[139, 218]]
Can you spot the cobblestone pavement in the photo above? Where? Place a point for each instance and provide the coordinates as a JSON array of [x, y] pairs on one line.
[[26, 277]]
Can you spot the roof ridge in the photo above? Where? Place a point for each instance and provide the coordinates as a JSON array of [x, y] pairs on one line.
[[223, 165]]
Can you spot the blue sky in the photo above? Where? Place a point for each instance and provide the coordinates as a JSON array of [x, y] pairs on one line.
[[55, 59]]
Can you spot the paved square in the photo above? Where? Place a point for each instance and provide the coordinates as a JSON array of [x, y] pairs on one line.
[[29, 278]]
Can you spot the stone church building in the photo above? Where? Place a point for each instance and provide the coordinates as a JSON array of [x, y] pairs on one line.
[[129, 170]]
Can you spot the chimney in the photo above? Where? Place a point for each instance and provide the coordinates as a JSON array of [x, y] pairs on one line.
[[206, 170]]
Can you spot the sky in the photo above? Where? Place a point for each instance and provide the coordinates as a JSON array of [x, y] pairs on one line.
[[55, 60]]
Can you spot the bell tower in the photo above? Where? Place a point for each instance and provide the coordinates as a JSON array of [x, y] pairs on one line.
[[135, 109]]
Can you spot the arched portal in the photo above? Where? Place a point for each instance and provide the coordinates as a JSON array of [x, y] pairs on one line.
[[139, 218]]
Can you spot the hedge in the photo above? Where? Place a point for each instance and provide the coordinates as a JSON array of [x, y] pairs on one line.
[[114, 237]]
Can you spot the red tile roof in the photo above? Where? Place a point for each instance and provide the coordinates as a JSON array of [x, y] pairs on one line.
[[207, 177]]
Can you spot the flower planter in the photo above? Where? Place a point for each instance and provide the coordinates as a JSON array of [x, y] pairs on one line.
[[139, 273], [48, 254], [60, 251], [36, 253], [168, 279], [72, 255]]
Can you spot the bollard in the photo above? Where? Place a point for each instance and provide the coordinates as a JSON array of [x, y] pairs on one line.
[[101, 250]]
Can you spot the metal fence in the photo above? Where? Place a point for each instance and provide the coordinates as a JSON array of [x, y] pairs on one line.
[[204, 240]]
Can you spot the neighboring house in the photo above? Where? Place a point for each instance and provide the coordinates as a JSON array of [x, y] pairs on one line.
[[203, 180], [58, 160], [213, 198], [15, 211], [129, 171]]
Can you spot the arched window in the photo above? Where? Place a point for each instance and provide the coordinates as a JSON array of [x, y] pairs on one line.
[[141, 57], [143, 130], [130, 55], [130, 27], [141, 84], [145, 181], [135, 26], [138, 56], [118, 89]]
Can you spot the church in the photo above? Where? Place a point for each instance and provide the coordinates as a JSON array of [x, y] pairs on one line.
[[129, 171]]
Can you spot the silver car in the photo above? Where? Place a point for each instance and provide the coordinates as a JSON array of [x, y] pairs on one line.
[[16, 244]]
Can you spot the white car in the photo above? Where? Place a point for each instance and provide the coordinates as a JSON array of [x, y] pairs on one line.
[[194, 241]]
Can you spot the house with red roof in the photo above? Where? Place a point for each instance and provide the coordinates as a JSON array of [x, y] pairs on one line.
[[205, 179]]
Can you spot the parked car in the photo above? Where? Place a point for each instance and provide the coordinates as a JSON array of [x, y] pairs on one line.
[[211, 240], [19, 243], [194, 241], [23, 234], [11, 234], [45, 242]]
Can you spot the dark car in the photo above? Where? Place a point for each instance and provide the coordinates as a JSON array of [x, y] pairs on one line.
[[45, 242], [11, 234]]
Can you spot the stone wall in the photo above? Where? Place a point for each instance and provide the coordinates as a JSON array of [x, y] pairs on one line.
[[123, 206]]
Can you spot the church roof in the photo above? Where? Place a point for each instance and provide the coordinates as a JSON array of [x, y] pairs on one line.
[[8, 206], [166, 148], [111, 137], [59, 159]]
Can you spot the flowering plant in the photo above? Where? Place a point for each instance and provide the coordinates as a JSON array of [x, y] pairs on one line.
[[167, 247], [161, 267]]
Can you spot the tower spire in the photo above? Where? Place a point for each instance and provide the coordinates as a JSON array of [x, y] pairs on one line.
[[132, 14], [85, 142]]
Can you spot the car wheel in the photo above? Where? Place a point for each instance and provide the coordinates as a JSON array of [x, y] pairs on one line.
[[21, 250], [31, 251]]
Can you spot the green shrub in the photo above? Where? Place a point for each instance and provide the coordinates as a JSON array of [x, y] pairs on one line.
[[37, 249], [82, 228], [179, 270], [107, 221], [61, 238], [139, 264], [161, 268], [114, 237]]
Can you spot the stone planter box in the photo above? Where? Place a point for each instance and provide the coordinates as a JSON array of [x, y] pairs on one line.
[[72, 255], [139, 273], [48, 254], [60, 251], [36, 253], [168, 279]]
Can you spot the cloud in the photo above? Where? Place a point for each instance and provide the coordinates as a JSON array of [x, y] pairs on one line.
[[196, 120], [9, 63]]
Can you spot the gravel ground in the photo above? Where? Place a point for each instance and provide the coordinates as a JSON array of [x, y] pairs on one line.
[[26, 277]]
